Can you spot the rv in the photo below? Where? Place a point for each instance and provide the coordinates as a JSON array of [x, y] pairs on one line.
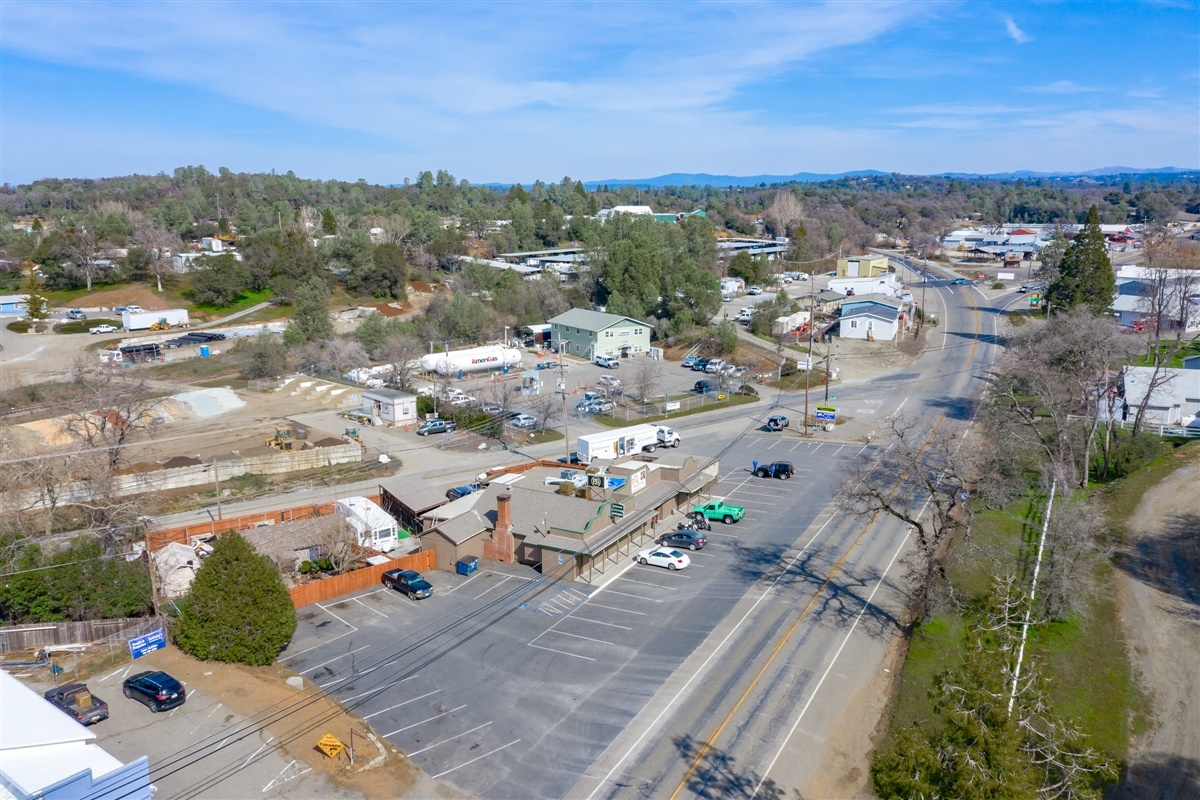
[[625, 442]]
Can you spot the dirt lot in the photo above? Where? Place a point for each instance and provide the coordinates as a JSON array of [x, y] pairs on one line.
[[1159, 592], [111, 298]]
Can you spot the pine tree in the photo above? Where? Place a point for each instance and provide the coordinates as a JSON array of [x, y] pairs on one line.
[[311, 321], [1085, 276], [37, 307], [238, 609]]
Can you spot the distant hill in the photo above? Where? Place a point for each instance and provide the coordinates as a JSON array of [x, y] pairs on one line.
[[723, 181], [1102, 172]]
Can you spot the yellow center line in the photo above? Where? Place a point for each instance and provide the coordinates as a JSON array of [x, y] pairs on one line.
[[708, 744]]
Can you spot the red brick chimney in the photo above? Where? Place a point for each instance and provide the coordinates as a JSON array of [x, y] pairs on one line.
[[501, 548]]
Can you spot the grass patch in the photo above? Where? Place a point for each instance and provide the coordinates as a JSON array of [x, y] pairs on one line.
[[20, 326], [1019, 318], [546, 436], [221, 383], [244, 301], [729, 401], [193, 368], [1173, 358], [931, 649], [85, 325]]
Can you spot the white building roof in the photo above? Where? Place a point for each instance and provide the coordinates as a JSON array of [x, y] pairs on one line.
[[40, 745], [364, 514], [12, 298], [1175, 387]]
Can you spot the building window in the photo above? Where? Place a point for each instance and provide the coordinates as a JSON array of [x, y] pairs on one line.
[[853, 323]]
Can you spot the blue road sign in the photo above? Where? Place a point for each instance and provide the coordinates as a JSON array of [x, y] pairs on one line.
[[143, 645], [826, 413]]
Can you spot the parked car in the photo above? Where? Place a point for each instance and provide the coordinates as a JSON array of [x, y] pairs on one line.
[[522, 421], [738, 372], [726, 298], [491, 408], [103, 329], [76, 313], [776, 469], [685, 537], [754, 290], [408, 581], [663, 557], [744, 316], [435, 426], [959, 282], [462, 400], [158, 691], [777, 422], [75, 700], [572, 459], [598, 406], [714, 366], [608, 362], [689, 361], [609, 382], [718, 509], [463, 491], [132, 309], [704, 387], [699, 364]]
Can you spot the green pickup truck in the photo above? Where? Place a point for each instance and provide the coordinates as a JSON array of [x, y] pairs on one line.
[[716, 509]]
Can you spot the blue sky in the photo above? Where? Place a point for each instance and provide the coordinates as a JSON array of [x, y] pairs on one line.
[[513, 92]]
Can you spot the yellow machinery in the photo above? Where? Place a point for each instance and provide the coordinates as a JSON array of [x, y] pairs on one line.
[[282, 440], [160, 326]]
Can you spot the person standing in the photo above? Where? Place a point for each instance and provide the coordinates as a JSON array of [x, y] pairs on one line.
[[754, 469]]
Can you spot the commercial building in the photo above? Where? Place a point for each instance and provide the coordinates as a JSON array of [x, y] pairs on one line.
[[46, 754], [588, 334], [862, 266], [872, 317]]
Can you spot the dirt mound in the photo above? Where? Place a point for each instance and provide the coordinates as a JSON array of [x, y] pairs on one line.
[[180, 461], [394, 309], [112, 298]]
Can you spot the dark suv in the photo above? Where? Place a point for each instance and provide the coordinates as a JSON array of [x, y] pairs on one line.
[[704, 387], [408, 581], [776, 469], [157, 690]]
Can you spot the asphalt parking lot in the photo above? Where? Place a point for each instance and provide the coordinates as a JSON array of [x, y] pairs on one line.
[[506, 684]]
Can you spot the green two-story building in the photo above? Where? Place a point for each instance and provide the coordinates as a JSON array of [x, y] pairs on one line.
[[588, 334]]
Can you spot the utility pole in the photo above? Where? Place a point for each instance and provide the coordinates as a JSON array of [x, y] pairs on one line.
[[562, 379], [812, 306], [217, 486], [150, 565]]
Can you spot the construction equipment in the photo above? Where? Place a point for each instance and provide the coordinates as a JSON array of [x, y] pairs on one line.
[[162, 325], [282, 440]]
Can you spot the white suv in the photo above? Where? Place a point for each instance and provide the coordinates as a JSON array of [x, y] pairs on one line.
[[608, 362]]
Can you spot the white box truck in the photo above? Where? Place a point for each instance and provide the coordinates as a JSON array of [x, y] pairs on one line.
[[624, 442], [144, 320]]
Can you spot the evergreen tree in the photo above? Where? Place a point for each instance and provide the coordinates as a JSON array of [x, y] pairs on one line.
[[238, 608], [328, 222], [1085, 276], [37, 307], [311, 320]]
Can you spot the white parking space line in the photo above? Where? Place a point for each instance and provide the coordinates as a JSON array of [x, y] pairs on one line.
[[637, 596], [422, 722], [578, 618], [778, 442], [577, 636], [718, 533], [206, 716], [406, 702], [443, 741], [476, 758], [335, 658], [493, 586], [109, 675], [614, 608], [644, 583], [773, 495], [840, 449], [368, 608], [797, 444], [560, 652], [379, 688], [335, 616]]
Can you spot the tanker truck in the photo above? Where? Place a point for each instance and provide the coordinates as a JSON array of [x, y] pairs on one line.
[[477, 359]]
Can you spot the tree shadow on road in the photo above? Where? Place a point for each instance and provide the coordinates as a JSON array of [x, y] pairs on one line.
[[1169, 561], [1158, 776], [718, 775], [841, 601]]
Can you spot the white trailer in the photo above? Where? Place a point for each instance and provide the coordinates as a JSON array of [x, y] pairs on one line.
[[624, 442], [375, 527], [144, 320]]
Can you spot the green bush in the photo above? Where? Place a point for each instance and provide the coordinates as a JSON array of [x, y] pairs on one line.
[[997, 285], [82, 584], [20, 326], [1131, 453], [306, 567], [238, 609]]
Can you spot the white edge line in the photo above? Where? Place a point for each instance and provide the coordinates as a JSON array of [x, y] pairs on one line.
[[406, 702], [716, 650], [422, 722], [832, 663], [560, 652]]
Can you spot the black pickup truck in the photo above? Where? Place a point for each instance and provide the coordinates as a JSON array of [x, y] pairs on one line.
[[75, 699]]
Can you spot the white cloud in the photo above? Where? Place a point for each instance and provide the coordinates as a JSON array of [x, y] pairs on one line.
[[1019, 36], [1061, 87]]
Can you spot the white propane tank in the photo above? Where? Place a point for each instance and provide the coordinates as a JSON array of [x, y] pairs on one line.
[[472, 360]]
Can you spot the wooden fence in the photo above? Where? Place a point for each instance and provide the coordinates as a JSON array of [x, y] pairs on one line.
[[59, 634], [328, 588], [184, 534]]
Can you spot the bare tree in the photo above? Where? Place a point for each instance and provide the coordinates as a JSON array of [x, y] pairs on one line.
[[920, 478], [544, 407], [1074, 549], [647, 376], [403, 354], [395, 228], [337, 541], [784, 214], [159, 243], [82, 248]]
